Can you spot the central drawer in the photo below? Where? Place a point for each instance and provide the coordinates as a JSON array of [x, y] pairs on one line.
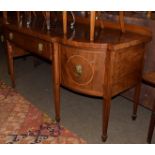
[[30, 43]]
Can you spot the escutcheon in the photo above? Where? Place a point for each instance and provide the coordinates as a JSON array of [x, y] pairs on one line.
[[78, 70], [40, 48], [10, 35]]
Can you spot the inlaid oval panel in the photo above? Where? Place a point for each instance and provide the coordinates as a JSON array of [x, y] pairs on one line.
[[79, 69]]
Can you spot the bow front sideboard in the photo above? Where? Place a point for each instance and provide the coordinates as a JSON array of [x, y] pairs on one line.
[[105, 66]]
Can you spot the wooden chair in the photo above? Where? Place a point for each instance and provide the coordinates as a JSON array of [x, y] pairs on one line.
[[149, 78], [92, 23]]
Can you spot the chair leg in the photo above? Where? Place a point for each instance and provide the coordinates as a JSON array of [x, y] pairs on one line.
[[151, 126], [136, 101]]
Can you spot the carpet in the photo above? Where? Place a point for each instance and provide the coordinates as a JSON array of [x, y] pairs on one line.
[[23, 123]]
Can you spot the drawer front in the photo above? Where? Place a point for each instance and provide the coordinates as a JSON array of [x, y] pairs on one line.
[[32, 44]]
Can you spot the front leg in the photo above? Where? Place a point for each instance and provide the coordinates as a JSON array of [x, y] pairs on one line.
[[106, 114], [136, 101], [56, 81]]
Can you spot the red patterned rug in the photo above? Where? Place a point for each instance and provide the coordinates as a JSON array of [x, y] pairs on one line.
[[23, 123]]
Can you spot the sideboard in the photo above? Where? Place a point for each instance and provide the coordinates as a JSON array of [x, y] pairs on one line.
[[104, 66]]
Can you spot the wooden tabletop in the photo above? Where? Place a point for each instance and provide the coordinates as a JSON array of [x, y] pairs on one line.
[[81, 33]]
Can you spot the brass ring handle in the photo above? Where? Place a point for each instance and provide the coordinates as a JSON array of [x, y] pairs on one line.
[[40, 48], [78, 70], [10, 35]]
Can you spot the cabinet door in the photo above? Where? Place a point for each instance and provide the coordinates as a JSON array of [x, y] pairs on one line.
[[82, 69]]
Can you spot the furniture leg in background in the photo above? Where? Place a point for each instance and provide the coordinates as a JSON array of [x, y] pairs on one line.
[[149, 78], [136, 101], [10, 63], [151, 126]]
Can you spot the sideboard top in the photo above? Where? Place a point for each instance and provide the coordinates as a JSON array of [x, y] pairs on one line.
[[79, 34]]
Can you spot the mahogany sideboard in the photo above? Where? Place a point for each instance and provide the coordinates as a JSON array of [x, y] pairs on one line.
[[109, 65]]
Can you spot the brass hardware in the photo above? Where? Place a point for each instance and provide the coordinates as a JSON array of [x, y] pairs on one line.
[[40, 48], [10, 35], [78, 70], [2, 38]]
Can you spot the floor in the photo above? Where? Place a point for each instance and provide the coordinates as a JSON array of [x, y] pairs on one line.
[[81, 114]]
